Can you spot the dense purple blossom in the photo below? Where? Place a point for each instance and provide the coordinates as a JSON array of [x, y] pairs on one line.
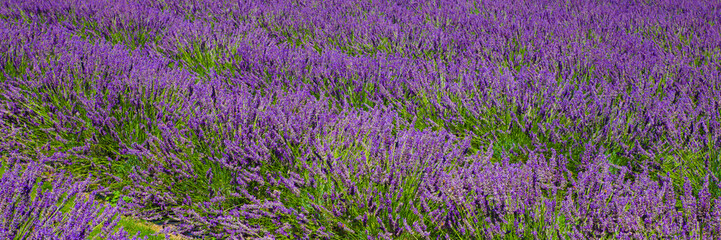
[[371, 119], [31, 212]]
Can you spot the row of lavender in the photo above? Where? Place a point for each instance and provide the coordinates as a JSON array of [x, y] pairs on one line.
[[31, 212], [377, 119]]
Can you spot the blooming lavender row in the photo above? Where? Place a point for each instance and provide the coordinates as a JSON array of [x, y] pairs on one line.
[[31, 212], [378, 119]]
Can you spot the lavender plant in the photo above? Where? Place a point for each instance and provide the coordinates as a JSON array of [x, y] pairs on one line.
[[30, 211], [376, 119]]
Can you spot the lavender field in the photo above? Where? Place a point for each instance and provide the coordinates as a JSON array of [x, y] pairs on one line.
[[360, 119]]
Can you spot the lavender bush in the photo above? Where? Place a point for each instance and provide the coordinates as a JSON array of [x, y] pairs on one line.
[[31, 212], [376, 119]]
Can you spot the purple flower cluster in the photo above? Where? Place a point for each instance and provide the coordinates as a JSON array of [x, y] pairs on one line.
[[304, 119], [31, 212]]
